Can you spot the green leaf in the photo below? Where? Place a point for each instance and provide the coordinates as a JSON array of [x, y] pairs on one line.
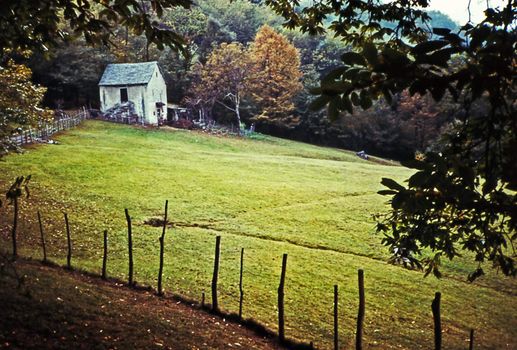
[[315, 90], [365, 100], [395, 57], [441, 31], [355, 98], [418, 179], [335, 87], [387, 95], [371, 54], [439, 58], [333, 110], [387, 192], [319, 102], [392, 184], [352, 73], [347, 104], [333, 75], [352, 58], [429, 46]]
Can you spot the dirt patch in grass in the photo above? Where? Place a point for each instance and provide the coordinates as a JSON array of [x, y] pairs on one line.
[[69, 310], [158, 222]]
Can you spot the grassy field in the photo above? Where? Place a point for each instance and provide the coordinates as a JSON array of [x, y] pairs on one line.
[[269, 196]]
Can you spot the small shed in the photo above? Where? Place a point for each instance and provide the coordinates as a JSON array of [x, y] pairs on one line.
[[140, 83]]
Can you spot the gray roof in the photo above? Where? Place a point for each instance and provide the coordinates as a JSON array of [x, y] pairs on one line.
[[128, 73]]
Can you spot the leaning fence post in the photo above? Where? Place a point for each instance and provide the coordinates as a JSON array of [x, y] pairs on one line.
[[336, 336], [215, 305], [471, 340], [241, 291], [435, 306], [360, 314], [42, 238], [130, 248], [281, 321], [105, 255], [162, 237], [69, 241]]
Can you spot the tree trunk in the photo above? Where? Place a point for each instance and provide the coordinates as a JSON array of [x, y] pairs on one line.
[[237, 112]]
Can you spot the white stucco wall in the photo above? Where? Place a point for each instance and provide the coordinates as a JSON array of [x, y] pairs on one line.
[[110, 96], [156, 92], [143, 96]]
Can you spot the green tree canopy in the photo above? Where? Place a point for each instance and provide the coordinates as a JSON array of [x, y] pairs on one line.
[[38, 24]]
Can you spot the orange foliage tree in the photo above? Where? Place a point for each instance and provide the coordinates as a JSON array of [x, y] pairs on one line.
[[276, 76]]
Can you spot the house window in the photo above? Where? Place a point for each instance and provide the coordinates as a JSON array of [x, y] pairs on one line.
[[123, 95]]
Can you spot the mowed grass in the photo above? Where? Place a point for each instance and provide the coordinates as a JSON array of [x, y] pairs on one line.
[[269, 196]]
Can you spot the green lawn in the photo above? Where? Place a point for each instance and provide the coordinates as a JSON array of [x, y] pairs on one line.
[[270, 196]]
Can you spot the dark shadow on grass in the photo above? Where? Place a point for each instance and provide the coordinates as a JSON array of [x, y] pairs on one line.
[[250, 323]]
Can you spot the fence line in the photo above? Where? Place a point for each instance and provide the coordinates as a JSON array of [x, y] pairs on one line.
[[435, 305], [45, 130]]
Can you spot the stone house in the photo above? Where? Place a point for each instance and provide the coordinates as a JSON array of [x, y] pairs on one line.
[[140, 83]]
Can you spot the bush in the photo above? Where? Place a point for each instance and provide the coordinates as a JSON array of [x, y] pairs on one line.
[[183, 124]]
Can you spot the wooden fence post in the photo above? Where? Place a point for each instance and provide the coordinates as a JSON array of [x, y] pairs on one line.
[[360, 314], [161, 239], [215, 304], [42, 238], [471, 340], [69, 241], [241, 291], [435, 306], [281, 319], [105, 255], [130, 248], [336, 328], [15, 227]]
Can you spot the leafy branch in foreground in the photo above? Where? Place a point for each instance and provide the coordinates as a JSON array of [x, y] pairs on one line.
[[462, 198], [38, 24]]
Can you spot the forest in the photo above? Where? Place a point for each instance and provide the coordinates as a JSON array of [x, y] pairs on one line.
[[221, 74]]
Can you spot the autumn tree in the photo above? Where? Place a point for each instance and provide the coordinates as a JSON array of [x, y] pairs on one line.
[[276, 75], [198, 98], [225, 77], [20, 101]]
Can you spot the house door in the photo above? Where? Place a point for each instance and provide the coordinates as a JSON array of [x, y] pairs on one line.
[[123, 95]]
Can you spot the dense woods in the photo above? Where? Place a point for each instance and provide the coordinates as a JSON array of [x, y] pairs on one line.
[[274, 99]]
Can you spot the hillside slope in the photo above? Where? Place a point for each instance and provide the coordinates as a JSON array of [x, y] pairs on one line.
[[58, 309], [268, 196]]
